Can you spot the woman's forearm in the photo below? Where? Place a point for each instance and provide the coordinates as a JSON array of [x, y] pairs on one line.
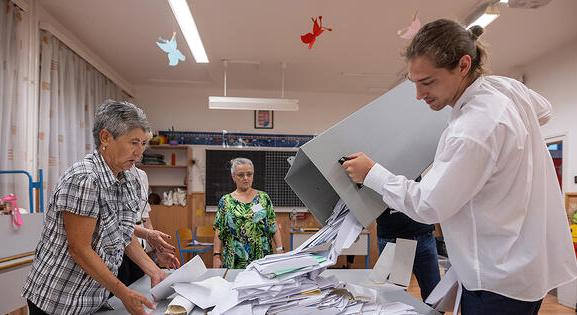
[[147, 223], [140, 231], [79, 232], [217, 245], [93, 265], [139, 256], [277, 238]]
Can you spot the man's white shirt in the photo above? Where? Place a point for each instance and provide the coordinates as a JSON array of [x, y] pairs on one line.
[[494, 189]]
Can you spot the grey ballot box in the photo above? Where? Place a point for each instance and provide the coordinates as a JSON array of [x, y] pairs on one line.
[[395, 130]]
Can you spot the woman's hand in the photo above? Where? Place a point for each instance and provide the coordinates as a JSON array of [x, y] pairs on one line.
[[167, 260], [156, 277], [156, 239], [135, 302], [216, 262]]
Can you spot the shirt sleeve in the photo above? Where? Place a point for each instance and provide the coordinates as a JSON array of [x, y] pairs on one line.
[[219, 218], [78, 194], [270, 215], [542, 107], [146, 212], [143, 181], [457, 175]]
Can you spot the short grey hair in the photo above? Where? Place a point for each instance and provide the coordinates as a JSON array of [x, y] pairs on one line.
[[118, 118], [239, 161]]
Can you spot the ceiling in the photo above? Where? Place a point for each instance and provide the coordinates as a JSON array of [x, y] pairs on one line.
[[361, 54]]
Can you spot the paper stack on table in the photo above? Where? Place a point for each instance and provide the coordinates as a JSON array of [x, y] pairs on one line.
[[289, 283], [286, 283], [189, 272]]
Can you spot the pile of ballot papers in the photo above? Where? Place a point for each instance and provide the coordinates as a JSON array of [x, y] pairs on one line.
[[290, 283]]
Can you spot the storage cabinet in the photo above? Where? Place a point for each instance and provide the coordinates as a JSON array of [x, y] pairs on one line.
[[163, 178], [175, 174]]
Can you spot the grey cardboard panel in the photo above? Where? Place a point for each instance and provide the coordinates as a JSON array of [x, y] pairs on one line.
[[314, 190], [20, 240], [395, 130]]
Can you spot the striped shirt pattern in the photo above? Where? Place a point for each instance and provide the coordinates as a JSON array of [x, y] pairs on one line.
[[56, 284]]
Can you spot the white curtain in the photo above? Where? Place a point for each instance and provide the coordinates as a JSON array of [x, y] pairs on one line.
[[70, 90], [13, 115]]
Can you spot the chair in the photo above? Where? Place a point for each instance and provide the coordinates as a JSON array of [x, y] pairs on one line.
[[188, 242]]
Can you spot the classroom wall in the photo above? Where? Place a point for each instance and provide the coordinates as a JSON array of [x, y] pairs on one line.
[[554, 75], [186, 108]]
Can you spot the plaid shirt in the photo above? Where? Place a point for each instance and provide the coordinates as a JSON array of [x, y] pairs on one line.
[[56, 284]]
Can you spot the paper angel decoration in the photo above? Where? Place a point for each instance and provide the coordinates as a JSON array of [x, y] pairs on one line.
[[169, 47]]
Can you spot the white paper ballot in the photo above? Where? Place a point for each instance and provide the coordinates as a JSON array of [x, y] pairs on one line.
[[191, 271], [179, 306], [446, 296], [348, 233], [403, 263], [382, 268], [206, 293], [361, 293]]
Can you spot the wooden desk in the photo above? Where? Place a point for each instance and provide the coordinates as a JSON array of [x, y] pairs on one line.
[[361, 247]]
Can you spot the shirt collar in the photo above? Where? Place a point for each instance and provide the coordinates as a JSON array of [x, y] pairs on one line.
[[108, 178], [468, 93]]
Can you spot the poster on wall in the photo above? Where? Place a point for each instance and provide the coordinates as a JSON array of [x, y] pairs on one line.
[[263, 119]]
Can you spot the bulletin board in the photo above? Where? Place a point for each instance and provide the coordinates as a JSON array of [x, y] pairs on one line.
[[270, 170]]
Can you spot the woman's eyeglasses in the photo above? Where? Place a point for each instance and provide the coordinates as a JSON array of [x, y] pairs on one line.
[[241, 175]]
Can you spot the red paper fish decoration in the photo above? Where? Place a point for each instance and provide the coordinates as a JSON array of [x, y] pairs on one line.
[[318, 29]]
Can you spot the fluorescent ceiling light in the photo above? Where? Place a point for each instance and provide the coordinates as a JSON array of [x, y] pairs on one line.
[[252, 103], [249, 103], [184, 18], [489, 15]]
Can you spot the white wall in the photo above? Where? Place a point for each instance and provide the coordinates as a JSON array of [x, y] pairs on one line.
[[187, 110], [554, 75]]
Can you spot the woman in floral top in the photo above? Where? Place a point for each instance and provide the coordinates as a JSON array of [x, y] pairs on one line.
[[245, 224]]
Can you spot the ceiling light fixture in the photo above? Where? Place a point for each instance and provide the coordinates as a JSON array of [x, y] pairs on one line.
[[252, 103], [185, 20], [484, 16]]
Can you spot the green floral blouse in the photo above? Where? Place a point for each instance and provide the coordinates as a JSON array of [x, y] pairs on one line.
[[245, 229]]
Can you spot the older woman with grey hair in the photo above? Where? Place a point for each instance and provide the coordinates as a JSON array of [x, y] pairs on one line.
[[245, 223], [90, 223]]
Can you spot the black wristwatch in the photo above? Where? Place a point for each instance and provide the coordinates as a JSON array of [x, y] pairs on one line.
[[216, 254]]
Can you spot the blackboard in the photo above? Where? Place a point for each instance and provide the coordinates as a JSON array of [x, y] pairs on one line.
[[270, 168]]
